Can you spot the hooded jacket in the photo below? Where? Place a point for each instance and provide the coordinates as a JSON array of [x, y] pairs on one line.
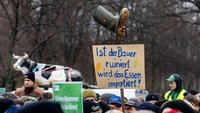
[[178, 93]]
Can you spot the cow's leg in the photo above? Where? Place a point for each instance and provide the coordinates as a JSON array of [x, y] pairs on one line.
[[41, 81], [51, 82], [76, 75], [68, 78]]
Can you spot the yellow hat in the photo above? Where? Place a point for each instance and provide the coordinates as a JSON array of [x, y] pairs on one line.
[[89, 93]]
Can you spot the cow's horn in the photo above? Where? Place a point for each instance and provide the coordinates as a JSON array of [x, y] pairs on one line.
[[25, 55], [15, 56]]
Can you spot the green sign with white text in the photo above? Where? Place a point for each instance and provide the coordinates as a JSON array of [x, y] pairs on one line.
[[69, 95], [2, 90]]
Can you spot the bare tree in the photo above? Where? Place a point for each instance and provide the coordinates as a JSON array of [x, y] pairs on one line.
[[62, 32]]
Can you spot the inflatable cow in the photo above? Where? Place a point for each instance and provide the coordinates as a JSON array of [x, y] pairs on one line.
[[45, 74]]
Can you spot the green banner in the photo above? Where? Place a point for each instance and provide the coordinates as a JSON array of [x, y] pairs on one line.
[[2, 90], [69, 95]]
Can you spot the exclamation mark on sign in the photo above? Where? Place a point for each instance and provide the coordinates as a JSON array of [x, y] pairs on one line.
[[139, 80]]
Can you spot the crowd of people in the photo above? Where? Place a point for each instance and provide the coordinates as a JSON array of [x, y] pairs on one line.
[[32, 99]]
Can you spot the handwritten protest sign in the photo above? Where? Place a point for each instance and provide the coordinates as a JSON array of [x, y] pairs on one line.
[[119, 66], [69, 95]]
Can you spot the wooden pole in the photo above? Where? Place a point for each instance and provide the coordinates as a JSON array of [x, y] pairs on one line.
[[122, 97], [118, 41]]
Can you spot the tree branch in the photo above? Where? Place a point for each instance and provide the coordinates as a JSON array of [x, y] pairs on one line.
[[42, 42], [7, 14]]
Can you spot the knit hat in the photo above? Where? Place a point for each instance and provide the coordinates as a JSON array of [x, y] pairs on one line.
[[42, 107], [115, 99], [191, 91], [132, 102], [5, 103], [90, 106], [149, 106], [151, 97], [179, 105], [171, 110], [89, 93], [30, 76], [106, 97]]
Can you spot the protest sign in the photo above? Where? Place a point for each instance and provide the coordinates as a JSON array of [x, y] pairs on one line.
[[69, 95], [119, 66]]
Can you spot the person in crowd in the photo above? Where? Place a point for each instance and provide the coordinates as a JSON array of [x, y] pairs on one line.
[[141, 98], [192, 91], [159, 103], [106, 97], [177, 91], [42, 107], [19, 102], [152, 98], [13, 109], [104, 102], [23, 100], [9, 95], [89, 94], [176, 106], [47, 96], [144, 111], [91, 107], [131, 105], [149, 107], [198, 97], [114, 111], [115, 102], [29, 88], [104, 106], [192, 101], [97, 95], [8, 106]]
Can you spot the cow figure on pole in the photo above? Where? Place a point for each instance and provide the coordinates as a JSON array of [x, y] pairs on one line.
[[45, 74]]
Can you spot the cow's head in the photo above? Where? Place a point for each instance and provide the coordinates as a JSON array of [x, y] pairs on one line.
[[22, 64]]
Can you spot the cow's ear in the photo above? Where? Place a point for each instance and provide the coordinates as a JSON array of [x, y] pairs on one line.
[[25, 56], [15, 56]]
